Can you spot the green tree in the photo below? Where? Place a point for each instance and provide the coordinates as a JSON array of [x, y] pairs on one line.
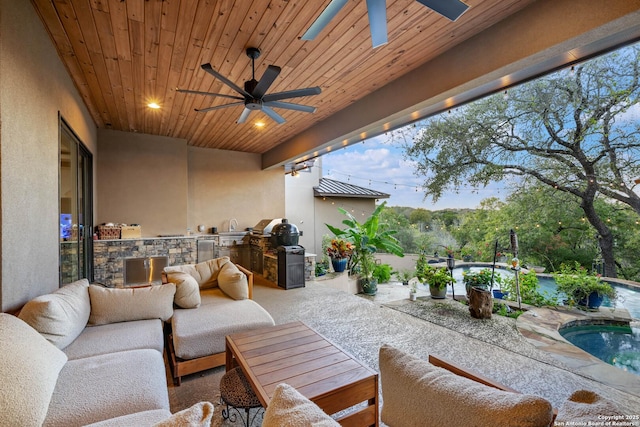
[[567, 131]]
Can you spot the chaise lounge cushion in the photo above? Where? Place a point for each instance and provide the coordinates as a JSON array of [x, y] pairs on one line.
[[29, 368], [409, 382], [201, 332], [111, 305], [187, 289], [60, 316], [114, 337], [108, 386], [289, 408]]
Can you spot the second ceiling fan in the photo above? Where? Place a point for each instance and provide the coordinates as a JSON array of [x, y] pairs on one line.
[[377, 12], [254, 96]]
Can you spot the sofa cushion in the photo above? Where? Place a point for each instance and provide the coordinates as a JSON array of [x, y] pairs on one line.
[[201, 332], [60, 316], [289, 408], [111, 305], [110, 385], [29, 368], [187, 289], [198, 415], [205, 273], [233, 282], [114, 337], [584, 406], [409, 382]]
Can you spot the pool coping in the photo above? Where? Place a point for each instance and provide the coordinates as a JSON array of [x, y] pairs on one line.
[[540, 326]]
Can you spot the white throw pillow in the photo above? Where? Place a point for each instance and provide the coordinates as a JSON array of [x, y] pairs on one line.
[[29, 368], [112, 305], [198, 415], [233, 282], [187, 289], [289, 408], [62, 315], [408, 382]]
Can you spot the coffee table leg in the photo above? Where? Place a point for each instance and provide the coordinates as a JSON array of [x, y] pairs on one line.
[[230, 361]]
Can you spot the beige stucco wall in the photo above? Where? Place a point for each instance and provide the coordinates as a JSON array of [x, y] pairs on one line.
[[168, 187], [228, 184], [300, 205], [34, 87], [327, 213], [142, 179]]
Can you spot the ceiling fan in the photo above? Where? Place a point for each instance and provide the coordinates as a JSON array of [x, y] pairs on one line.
[[254, 96], [377, 11]]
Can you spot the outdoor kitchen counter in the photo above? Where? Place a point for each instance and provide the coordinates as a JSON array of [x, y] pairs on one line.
[[109, 255]]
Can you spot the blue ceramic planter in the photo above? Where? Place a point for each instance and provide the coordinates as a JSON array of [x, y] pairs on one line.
[[339, 265]]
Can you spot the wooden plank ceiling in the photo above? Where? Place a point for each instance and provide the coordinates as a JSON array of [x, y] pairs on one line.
[[123, 54]]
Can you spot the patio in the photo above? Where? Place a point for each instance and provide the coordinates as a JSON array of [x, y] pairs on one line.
[[361, 326]]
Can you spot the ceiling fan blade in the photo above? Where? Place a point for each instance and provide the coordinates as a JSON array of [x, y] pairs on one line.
[[296, 93], [197, 92], [377, 11], [451, 9], [266, 81], [244, 116], [321, 21], [218, 107], [290, 106], [275, 116], [209, 69]]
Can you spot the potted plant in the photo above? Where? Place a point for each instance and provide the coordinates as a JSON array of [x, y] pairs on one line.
[[465, 253], [404, 276], [339, 251], [504, 287], [367, 281], [581, 288], [367, 238], [480, 279], [382, 273], [413, 291], [438, 278]]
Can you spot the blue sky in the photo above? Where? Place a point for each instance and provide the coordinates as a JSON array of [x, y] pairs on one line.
[[379, 164]]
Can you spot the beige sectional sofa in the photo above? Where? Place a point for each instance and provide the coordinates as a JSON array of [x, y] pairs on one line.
[[87, 354], [213, 299]]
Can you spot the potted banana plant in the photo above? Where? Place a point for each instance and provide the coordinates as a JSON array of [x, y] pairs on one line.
[[367, 238]]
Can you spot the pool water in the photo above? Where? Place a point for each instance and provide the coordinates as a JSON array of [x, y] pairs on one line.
[[617, 345]]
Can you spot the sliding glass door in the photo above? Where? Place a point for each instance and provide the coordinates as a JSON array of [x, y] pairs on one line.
[[76, 202]]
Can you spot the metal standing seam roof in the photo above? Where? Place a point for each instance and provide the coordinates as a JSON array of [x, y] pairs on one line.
[[331, 188]]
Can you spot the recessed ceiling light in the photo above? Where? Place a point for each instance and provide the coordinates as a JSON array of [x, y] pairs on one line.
[[153, 105]]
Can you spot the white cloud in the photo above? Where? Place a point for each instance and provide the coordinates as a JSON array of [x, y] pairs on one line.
[[380, 165]]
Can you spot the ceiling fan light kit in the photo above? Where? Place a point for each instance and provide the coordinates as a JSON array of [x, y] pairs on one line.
[[254, 95], [377, 12]]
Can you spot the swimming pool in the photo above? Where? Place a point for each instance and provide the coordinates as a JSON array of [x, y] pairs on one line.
[[617, 345]]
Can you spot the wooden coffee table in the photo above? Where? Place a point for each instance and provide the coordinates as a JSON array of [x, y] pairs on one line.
[[296, 354]]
